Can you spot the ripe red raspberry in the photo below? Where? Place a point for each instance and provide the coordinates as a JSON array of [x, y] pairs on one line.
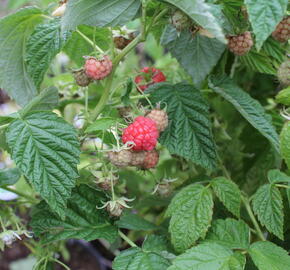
[[120, 159], [81, 77], [240, 44], [151, 159], [143, 134], [180, 20], [283, 73], [98, 69], [282, 31], [160, 117], [151, 76]]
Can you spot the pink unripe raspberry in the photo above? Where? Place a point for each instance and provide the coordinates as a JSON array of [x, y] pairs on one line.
[[160, 117], [151, 159], [98, 69], [240, 44], [142, 133]]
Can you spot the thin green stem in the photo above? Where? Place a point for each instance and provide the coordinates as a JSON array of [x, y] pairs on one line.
[[21, 194], [2, 225], [224, 169], [126, 239], [91, 42], [234, 66], [160, 15], [252, 217], [143, 19], [282, 186], [61, 263], [127, 49]]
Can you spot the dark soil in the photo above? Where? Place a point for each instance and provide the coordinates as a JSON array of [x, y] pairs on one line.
[[82, 257]]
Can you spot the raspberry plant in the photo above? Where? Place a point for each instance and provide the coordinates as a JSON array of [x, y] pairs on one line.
[[160, 127]]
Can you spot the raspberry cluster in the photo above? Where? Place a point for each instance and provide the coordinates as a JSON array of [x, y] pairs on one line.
[[240, 44], [282, 31], [149, 76], [141, 136]]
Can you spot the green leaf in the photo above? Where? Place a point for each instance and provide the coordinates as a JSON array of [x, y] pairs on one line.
[[134, 222], [209, 256], [125, 98], [46, 150], [229, 194], [231, 233], [99, 13], [82, 219], [268, 206], [274, 49], [155, 243], [9, 176], [249, 108], [46, 100], [257, 174], [137, 259], [45, 42], [101, 124], [192, 52], [14, 31], [275, 176], [191, 213], [258, 62], [189, 132], [201, 13], [77, 47], [284, 143], [267, 255], [264, 16], [283, 96]]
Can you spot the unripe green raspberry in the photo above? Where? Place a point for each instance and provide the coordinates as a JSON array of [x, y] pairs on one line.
[[180, 20], [283, 73]]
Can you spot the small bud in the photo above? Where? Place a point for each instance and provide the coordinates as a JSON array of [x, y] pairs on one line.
[[58, 12]]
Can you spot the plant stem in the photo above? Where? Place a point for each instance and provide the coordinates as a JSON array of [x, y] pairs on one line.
[[126, 239], [224, 169], [91, 42], [252, 217], [21, 194], [127, 49], [282, 186], [234, 66]]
